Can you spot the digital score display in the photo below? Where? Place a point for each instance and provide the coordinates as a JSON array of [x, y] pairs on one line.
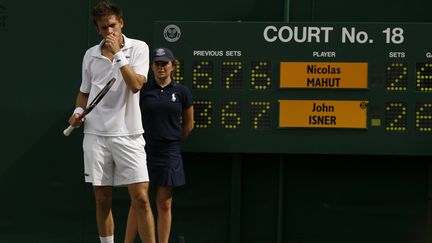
[[312, 88]]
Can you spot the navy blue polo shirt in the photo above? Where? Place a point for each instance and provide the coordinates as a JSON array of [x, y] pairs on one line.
[[161, 110]]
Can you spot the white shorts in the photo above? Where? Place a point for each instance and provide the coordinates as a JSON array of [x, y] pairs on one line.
[[114, 160]]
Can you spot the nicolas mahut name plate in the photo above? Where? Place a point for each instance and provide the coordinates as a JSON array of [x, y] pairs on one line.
[[329, 75]]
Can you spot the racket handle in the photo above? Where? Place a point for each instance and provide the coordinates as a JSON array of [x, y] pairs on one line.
[[68, 130]]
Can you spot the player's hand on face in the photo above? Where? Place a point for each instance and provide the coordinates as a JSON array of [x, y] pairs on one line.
[[112, 43], [76, 120]]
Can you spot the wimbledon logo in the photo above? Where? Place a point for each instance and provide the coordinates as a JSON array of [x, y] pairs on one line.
[[172, 33]]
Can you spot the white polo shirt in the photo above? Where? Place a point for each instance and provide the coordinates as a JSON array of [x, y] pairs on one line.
[[118, 113]]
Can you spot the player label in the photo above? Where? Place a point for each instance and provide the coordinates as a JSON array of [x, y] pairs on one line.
[[323, 113], [324, 75]]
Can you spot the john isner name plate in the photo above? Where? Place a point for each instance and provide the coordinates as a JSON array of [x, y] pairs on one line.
[[323, 113]]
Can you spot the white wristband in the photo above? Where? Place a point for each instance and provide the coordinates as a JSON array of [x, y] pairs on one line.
[[78, 110], [120, 59]]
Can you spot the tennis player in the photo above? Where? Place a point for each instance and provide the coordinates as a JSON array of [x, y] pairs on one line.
[[113, 144]]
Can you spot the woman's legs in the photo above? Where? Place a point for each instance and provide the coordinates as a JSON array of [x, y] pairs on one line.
[[164, 217]]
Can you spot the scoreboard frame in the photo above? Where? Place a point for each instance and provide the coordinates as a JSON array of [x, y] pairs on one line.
[[246, 76]]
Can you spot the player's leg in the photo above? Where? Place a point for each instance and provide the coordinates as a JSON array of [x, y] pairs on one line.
[[164, 216], [144, 216], [104, 218], [131, 170], [98, 170], [131, 226]]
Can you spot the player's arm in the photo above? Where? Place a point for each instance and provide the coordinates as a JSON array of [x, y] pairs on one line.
[[133, 80], [188, 121], [81, 101]]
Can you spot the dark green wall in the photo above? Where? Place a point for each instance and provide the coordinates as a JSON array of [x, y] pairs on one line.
[[229, 197]]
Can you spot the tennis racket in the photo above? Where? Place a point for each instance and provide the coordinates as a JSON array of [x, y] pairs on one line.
[[92, 105]]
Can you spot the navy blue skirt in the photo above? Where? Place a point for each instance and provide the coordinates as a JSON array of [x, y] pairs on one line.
[[165, 164]]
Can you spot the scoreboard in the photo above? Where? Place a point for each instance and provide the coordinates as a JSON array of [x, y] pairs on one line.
[[311, 88]]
